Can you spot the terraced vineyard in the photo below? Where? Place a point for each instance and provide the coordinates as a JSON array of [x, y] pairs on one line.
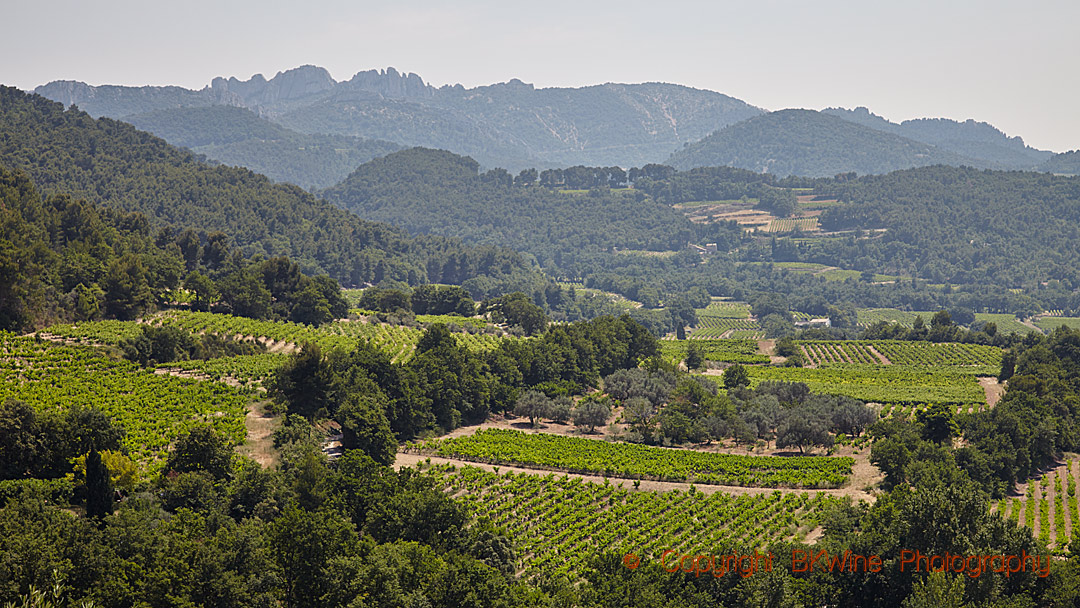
[[728, 351], [153, 408], [246, 369], [560, 523], [635, 461], [893, 385], [974, 358]]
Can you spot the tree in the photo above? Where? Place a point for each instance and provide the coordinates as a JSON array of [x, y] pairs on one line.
[[532, 405], [938, 422], [561, 408], [694, 357], [204, 290], [127, 294], [802, 429], [364, 427], [202, 449], [736, 376], [99, 490], [591, 413]]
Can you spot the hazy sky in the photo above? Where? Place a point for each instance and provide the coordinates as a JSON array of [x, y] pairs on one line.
[[1013, 64]]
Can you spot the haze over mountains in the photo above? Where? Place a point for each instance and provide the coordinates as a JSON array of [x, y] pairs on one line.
[[304, 127]]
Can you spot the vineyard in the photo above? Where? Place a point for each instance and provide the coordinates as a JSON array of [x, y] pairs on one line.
[[1006, 323], [1049, 324], [629, 460], [1048, 507], [725, 310], [805, 224], [870, 316], [975, 358], [727, 351], [154, 409], [712, 328], [246, 369], [559, 524], [895, 385], [396, 340]]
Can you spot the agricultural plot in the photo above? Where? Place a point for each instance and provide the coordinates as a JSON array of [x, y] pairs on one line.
[[1048, 507], [896, 386], [635, 461], [711, 328], [246, 369], [1006, 323], [725, 351], [870, 316], [723, 309], [971, 358], [805, 224], [1049, 324], [839, 274], [153, 408], [561, 523], [397, 341]]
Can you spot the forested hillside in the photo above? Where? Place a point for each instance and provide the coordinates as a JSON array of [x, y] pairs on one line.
[[112, 163], [1067, 163], [809, 143], [437, 192], [236, 136], [978, 141]]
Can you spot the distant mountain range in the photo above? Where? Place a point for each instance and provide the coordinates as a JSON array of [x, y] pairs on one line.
[[511, 125], [304, 127]]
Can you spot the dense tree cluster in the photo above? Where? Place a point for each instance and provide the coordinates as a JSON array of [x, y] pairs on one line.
[[111, 163], [445, 385]]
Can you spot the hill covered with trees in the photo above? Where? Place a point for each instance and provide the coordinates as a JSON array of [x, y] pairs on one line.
[[112, 163], [236, 136], [979, 141], [437, 192], [811, 144]]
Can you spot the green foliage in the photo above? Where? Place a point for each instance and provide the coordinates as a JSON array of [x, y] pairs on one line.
[[112, 163]]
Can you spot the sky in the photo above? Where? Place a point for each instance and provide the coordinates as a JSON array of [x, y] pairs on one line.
[[1013, 64]]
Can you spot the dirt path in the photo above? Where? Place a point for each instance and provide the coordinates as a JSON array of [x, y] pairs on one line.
[[993, 389], [873, 351], [410, 460], [260, 435]]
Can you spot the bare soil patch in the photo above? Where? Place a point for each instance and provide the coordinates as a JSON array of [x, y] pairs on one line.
[[993, 389], [260, 435]]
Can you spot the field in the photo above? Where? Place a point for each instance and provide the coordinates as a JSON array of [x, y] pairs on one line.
[[726, 351], [711, 328], [153, 408], [1048, 507], [972, 358], [725, 309], [1006, 323], [1049, 324], [870, 316], [635, 461], [892, 385], [805, 224], [838, 274], [396, 340], [560, 524]]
